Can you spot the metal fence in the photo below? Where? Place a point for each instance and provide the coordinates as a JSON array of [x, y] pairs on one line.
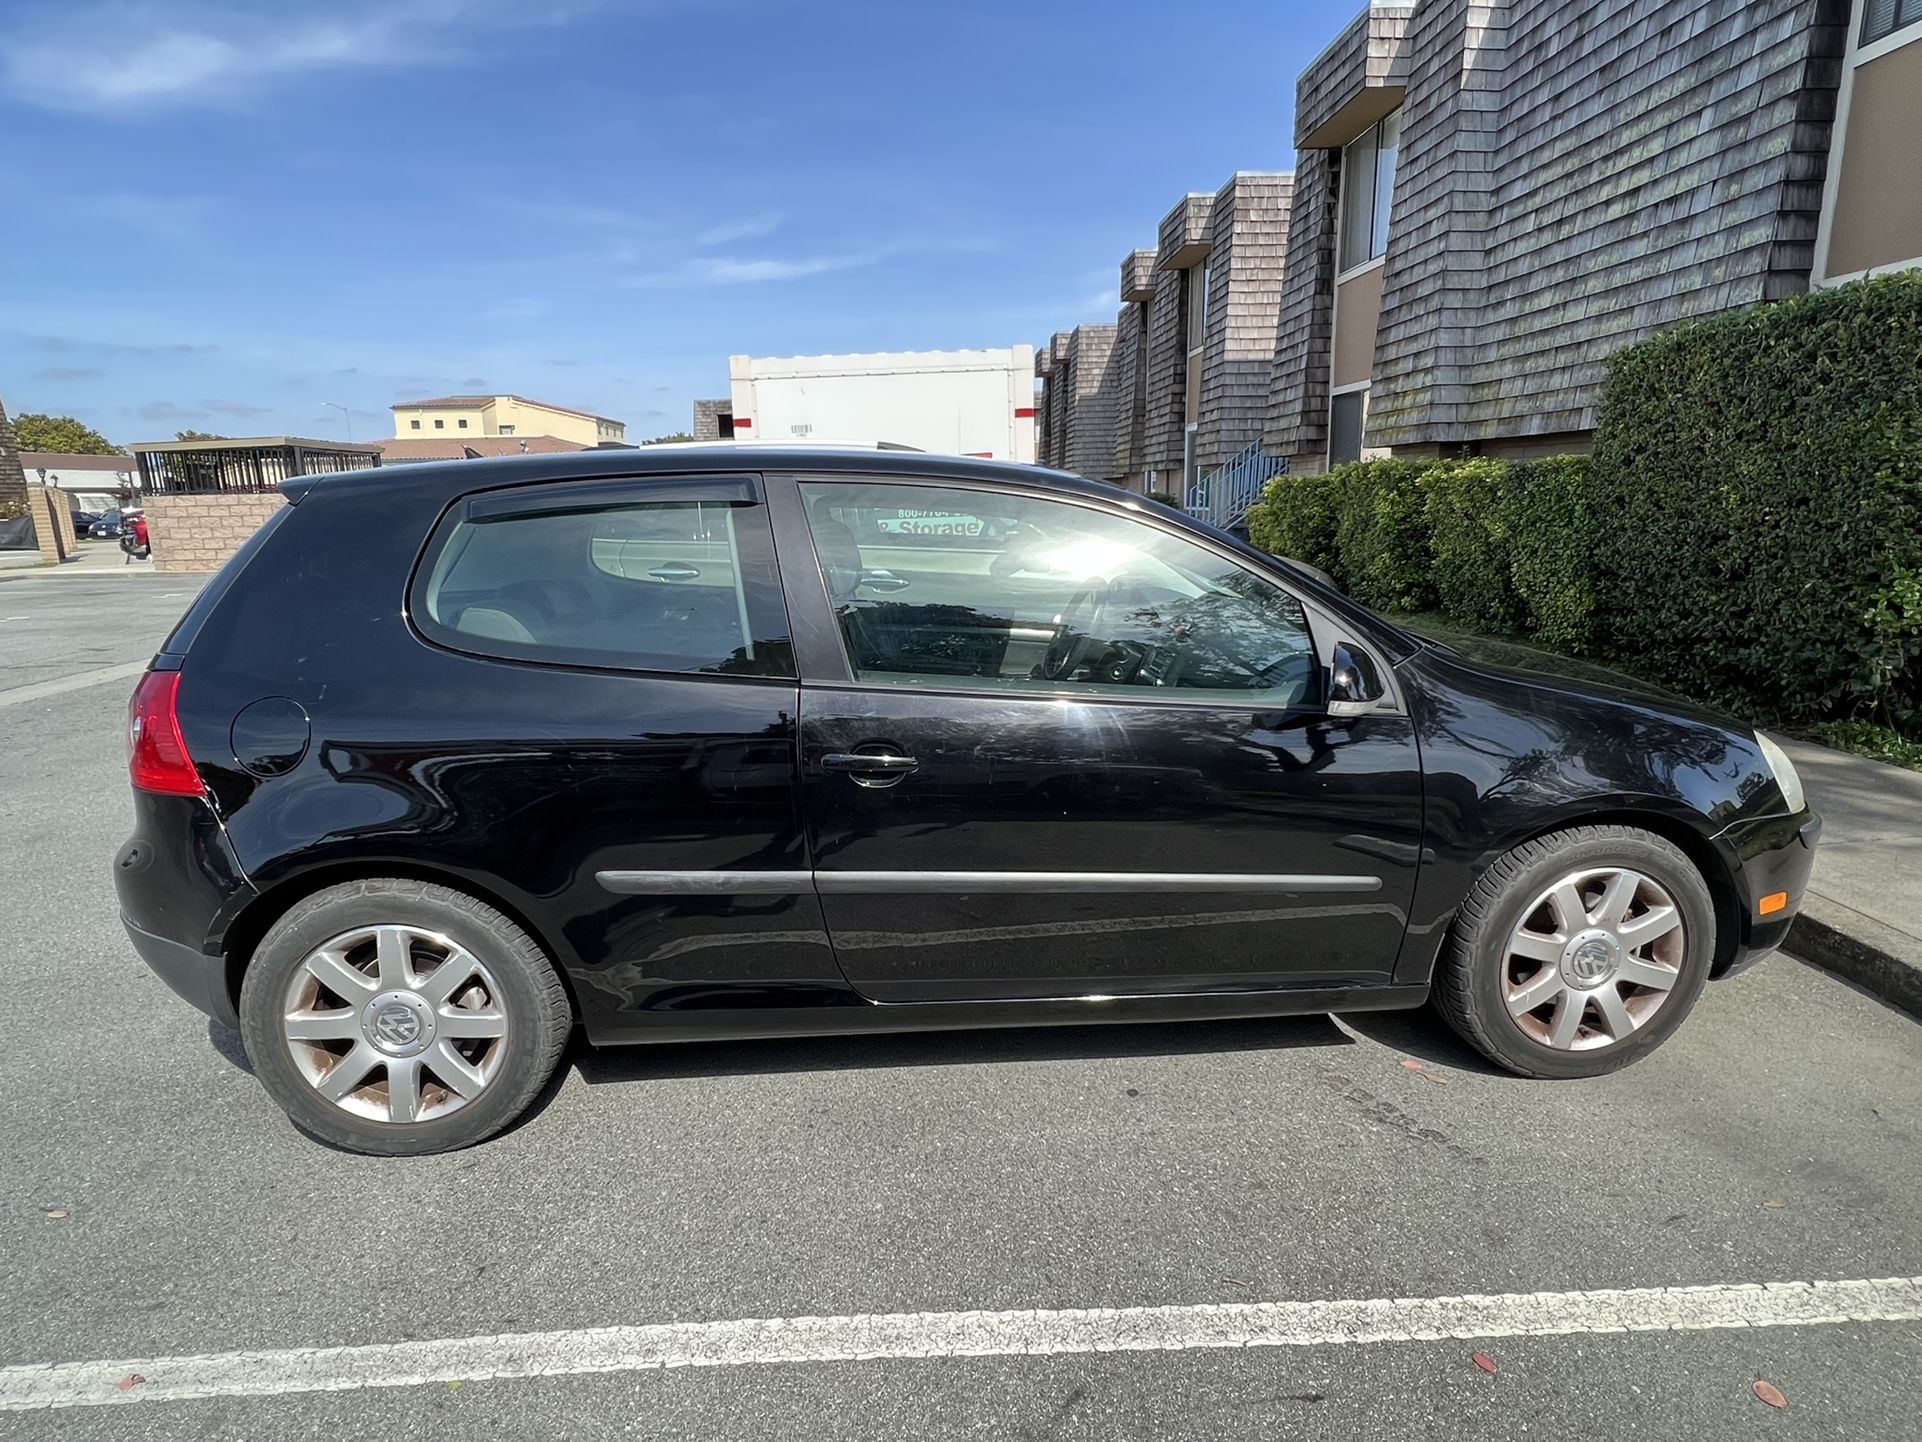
[[212, 467]]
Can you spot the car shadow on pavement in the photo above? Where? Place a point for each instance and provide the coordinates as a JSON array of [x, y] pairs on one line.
[[1419, 1033], [645, 1062], [227, 1042]]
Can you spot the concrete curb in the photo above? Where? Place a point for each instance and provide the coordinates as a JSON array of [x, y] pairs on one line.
[[1877, 958]]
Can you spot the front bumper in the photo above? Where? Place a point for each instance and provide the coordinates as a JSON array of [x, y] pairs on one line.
[[193, 975], [1771, 856]]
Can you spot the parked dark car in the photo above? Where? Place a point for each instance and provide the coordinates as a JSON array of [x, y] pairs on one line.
[[83, 524], [106, 526], [724, 743]]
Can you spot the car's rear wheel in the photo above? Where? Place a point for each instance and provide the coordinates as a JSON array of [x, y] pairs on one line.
[[1579, 952], [399, 1017]]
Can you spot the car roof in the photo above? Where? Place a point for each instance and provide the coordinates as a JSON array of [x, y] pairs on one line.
[[454, 478]]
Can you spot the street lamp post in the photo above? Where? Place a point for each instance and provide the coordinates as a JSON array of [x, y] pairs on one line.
[[346, 415]]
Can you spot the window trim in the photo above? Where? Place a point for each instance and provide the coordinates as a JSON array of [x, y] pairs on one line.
[[1862, 41], [1335, 393], [559, 497], [820, 650], [1344, 195]]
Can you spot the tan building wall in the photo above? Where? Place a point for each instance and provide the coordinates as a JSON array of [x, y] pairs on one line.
[[1877, 216], [523, 418], [452, 421], [199, 532], [1357, 313]]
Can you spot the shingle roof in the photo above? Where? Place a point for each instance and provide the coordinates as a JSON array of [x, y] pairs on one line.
[[67, 461]]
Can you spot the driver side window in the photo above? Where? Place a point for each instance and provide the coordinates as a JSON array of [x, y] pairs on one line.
[[946, 587]]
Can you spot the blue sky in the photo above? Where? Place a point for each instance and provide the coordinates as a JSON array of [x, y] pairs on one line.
[[222, 217]]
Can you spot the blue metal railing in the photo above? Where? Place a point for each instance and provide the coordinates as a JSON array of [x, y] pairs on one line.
[[1223, 496]]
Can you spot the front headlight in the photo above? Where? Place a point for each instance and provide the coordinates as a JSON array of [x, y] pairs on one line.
[[1784, 770]]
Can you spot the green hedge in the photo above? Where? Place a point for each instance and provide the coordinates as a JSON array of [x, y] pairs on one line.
[[1762, 478], [1748, 529]]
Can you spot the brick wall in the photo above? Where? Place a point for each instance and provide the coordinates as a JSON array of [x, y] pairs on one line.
[[52, 516], [198, 533]]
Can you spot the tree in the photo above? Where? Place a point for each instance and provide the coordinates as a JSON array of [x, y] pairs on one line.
[[671, 440], [197, 436], [62, 434]]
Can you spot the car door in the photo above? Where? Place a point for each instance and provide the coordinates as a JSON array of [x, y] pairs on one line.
[[606, 720], [1055, 747]]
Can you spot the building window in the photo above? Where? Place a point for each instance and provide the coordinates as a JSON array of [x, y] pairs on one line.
[[440, 425], [505, 430], [1368, 190], [1346, 414], [1882, 18], [462, 422], [1195, 278], [415, 424]]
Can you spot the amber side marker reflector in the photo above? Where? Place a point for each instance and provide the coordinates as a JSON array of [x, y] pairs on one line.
[[1772, 903]]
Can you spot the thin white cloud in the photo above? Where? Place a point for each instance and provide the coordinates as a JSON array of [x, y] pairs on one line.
[[730, 270], [753, 228], [120, 57]]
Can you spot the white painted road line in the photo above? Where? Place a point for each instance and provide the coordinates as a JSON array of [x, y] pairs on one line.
[[956, 1334], [39, 690]]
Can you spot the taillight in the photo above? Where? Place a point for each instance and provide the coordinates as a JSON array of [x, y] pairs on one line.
[[157, 755]]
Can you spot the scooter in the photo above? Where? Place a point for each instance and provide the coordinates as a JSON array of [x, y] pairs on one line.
[[133, 537]]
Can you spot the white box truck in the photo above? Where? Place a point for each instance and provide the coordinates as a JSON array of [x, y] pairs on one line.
[[955, 402]]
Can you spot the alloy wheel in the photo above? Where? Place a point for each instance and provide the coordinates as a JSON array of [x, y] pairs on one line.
[[1593, 959], [395, 1023]]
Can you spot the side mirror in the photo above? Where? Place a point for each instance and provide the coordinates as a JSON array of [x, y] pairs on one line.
[[1354, 685]]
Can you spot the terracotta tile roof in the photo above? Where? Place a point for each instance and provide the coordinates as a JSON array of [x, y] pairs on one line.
[[465, 448], [476, 402]]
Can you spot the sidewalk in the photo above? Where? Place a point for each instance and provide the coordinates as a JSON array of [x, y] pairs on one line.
[[1863, 915], [91, 558]]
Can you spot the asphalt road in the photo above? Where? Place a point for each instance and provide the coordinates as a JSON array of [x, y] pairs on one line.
[[1775, 1139]]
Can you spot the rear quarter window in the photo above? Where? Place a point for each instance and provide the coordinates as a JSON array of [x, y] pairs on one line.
[[639, 584]]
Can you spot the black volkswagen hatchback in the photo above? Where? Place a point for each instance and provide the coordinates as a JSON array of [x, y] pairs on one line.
[[744, 742]]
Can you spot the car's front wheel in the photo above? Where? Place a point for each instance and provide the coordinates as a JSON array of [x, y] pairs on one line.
[[1578, 952], [399, 1018]]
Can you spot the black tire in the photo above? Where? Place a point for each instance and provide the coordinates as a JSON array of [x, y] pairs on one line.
[[539, 1016], [1469, 978]]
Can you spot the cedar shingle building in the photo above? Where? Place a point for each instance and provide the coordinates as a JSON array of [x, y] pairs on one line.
[[1490, 199]]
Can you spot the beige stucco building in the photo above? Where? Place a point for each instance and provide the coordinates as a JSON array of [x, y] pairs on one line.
[[455, 417]]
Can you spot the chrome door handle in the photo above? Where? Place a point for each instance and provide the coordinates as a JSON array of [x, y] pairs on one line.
[[868, 761]]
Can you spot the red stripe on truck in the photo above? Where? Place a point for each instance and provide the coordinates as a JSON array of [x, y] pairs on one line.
[[1021, 413], [741, 423]]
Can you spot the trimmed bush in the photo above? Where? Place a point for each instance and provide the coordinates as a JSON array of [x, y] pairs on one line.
[[1551, 529], [1757, 499], [1381, 534], [1296, 518], [1468, 539]]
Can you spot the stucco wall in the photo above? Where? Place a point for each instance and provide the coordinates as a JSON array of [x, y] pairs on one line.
[[1878, 200]]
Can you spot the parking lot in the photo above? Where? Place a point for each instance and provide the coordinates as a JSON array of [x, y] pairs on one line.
[[161, 1216]]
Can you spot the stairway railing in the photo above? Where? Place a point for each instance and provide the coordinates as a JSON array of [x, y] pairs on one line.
[[1222, 496]]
